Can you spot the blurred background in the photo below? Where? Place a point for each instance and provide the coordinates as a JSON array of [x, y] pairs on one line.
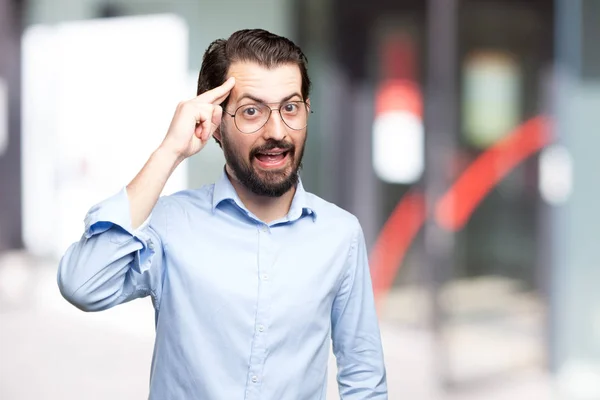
[[464, 134]]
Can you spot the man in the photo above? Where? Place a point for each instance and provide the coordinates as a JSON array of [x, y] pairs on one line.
[[252, 276]]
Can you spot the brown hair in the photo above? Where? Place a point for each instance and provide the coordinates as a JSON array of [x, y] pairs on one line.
[[250, 45]]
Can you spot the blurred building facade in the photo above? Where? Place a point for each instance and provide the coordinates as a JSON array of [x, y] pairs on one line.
[[469, 74], [461, 133]]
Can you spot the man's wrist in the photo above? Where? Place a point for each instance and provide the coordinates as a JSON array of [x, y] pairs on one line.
[[167, 155]]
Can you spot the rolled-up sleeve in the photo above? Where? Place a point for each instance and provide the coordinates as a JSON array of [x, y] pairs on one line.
[[113, 263], [355, 330]]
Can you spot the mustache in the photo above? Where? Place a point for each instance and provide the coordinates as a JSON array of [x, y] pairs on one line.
[[273, 144]]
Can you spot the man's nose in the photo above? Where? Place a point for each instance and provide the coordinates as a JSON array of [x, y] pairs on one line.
[[275, 127]]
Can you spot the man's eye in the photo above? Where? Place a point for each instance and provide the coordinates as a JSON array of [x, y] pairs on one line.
[[250, 111], [290, 107]]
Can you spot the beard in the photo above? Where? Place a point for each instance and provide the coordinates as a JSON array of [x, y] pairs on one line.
[[261, 182]]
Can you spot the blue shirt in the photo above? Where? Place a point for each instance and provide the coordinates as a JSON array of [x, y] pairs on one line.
[[244, 309]]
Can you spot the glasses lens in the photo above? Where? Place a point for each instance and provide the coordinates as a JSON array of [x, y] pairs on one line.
[[251, 117], [294, 114]]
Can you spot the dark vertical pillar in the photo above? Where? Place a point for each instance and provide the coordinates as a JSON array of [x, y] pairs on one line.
[[440, 127], [350, 117], [10, 128]]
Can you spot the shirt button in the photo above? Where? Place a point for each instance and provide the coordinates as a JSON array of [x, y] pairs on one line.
[[150, 244], [265, 228], [255, 379], [261, 328], [265, 277]]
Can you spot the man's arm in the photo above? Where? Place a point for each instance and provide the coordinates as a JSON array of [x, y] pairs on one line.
[[355, 330], [113, 263], [117, 259], [192, 126]]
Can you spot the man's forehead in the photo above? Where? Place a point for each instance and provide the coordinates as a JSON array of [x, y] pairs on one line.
[[270, 84]]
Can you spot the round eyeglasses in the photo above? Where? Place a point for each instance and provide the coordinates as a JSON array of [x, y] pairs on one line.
[[250, 118]]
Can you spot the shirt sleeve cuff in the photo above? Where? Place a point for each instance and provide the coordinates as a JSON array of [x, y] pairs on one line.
[[115, 211], [112, 211]]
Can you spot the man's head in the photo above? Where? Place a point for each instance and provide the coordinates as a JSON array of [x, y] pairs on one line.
[[263, 130]]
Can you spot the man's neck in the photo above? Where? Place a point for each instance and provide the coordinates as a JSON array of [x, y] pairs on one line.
[[267, 209]]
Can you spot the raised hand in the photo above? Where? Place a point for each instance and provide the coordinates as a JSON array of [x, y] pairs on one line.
[[195, 120]]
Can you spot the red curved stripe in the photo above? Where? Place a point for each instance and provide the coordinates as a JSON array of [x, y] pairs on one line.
[[454, 209], [396, 237]]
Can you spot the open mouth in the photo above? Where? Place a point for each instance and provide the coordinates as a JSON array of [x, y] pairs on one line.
[[272, 158]]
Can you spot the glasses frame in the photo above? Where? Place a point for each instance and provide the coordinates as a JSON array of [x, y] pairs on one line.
[[270, 113]]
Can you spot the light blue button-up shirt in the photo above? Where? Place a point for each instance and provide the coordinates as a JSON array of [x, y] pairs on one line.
[[244, 309]]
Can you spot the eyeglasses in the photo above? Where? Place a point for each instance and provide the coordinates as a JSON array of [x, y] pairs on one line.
[[250, 118]]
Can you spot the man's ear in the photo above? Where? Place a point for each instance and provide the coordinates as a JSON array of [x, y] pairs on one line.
[[217, 135]]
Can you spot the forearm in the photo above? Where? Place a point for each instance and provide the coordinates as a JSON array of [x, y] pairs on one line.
[[111, 262], [359, 353], [145, 189], [362, 376], [92, 273], [355, 331]]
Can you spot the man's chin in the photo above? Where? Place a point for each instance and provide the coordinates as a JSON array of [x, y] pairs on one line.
[[274, 183]]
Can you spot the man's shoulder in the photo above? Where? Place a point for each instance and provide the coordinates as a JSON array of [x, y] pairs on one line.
[[183, 199], [330, 212]]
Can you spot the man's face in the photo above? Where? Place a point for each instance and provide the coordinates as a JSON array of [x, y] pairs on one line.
[[266, 161]]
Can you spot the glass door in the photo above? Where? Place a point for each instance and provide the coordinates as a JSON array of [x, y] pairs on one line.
[[492, 305]]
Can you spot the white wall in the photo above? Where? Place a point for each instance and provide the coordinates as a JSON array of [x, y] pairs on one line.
[[207, 20], [92, 112]]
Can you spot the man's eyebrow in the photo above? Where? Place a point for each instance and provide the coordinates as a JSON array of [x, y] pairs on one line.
[[254, 98]]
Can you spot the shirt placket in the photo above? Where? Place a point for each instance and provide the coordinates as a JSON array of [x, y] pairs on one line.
[[261, 324]]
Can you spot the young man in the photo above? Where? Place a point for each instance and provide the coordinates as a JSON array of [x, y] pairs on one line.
[[251, 276]]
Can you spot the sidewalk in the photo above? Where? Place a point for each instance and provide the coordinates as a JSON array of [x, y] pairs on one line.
[[50, 350]]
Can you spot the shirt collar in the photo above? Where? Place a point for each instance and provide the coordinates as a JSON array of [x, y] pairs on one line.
[[301, 203]]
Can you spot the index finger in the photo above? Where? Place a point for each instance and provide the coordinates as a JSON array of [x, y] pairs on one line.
[[218, 94]]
